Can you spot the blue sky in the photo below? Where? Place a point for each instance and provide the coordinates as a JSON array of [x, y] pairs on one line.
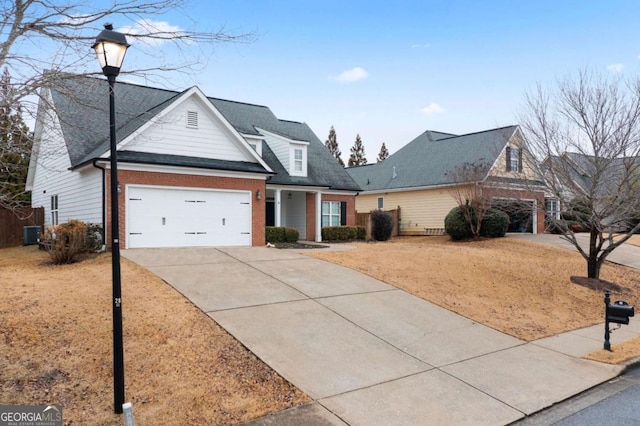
[[391, 70]]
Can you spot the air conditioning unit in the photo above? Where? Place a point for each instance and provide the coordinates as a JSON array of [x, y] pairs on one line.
[[31, 235]]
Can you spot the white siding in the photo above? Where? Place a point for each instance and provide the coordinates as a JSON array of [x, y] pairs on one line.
[[171, 135], [294, 212], [79, 192], [280, 148]]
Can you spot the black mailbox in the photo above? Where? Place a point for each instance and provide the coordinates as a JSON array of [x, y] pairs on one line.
[[619, 312]]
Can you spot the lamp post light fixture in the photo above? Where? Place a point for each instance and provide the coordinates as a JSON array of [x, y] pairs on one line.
[[110, 47]]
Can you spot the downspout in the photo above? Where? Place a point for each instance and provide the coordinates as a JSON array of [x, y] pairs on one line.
[[104, 209]]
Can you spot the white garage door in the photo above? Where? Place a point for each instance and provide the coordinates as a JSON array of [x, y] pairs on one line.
[[177, 217]]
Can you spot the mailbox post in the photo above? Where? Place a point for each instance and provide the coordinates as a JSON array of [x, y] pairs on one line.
[[617, 312]]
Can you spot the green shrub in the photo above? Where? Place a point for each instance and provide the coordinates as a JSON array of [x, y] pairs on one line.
[[456, 225], [64, 242], [494, 224], [281, 234], [381, 225], [343, 233], [291, 235], [558, 226]]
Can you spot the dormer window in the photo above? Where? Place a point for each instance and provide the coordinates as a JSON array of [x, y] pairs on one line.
[[298, 163], [297, 160]]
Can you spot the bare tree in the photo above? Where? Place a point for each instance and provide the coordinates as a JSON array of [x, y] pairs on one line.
[[471, 192], [44, 41], [586, 133]]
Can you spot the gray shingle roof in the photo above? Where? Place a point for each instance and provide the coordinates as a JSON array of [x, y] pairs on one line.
[[429, 159], [82, 106], [184, 161]]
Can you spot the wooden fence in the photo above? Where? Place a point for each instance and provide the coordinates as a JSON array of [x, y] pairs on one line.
[[364, 219], [12, 224]]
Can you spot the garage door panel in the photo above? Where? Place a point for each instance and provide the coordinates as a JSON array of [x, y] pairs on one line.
[[172, 217]]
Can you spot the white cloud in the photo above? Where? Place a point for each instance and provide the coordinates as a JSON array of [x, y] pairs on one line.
[[615, 67], [420, 46], [153, 33], [432, 108], [352, 75]]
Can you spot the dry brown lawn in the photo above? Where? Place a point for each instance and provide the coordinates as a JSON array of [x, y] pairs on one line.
[[180, 366], [519, 287]]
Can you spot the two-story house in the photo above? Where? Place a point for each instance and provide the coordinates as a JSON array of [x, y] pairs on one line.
[[192, 170]]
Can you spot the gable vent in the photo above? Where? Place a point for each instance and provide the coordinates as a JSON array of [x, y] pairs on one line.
[[192, 119]]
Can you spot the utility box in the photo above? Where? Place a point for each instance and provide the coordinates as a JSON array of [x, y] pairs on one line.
[[31, 235]]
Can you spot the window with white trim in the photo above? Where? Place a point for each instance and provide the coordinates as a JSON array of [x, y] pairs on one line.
[[298, 160], [552, 208], [331, 213], [54, 210], [380, 203]]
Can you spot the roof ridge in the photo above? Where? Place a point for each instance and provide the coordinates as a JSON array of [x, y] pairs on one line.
[[212, 98], [290, 121], [482, 131]]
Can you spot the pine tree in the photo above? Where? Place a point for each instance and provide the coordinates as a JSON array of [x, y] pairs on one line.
[[332, 144], [15, 148], [383, 154], [357, 157]]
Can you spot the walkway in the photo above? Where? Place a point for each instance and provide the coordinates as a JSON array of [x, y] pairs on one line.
[[368, 353]]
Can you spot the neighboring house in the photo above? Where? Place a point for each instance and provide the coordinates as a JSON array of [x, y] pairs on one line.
[[420, 176], [192, 170], [608, 184]]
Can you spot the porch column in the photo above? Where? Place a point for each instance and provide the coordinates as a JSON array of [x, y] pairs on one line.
[[278, 208], [318, 216]]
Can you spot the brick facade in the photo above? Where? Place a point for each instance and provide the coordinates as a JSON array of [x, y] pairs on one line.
[[127, 177], [311, 210]]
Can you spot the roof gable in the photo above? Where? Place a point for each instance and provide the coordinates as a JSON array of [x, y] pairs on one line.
[[191, 126]]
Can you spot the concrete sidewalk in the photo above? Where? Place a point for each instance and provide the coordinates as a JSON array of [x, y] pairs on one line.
[[368, 353]]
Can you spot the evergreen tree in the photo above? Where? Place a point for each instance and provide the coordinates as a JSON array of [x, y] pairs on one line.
[[383, 154], [332, 144], [15, 148], [357, 157]]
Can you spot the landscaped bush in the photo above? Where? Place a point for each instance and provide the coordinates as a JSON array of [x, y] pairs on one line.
[[557, 226], [281, 234], [381, 225], [494, 224], [456, 225], [343, 233], [291, 235], [64, 242]]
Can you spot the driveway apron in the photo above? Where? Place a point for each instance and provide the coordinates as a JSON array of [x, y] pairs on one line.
[[367, 352]]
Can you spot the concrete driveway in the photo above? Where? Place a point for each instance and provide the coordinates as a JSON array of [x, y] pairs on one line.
[[369, 353]]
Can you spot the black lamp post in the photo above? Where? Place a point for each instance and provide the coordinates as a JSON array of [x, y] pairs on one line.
[[110, 47]]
